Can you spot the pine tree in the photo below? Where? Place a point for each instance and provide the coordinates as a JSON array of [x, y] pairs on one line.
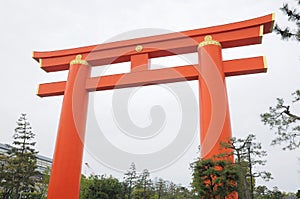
[[20, 168], [293, 16], [160, 188], [143, 188], [242, 153], [285, 122], [3, 161], [298, 193], [281, 117], [214, 178], [130, 179]]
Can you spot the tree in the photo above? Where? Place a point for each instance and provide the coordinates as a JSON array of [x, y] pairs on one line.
[[43, 186], [275, 193], [84, 186], [262, 192], [102, 187], [20, 175], [164, 189], [130, 179], [183, 193], [160, 188], [3, 160], [242, 153], [293, 16], [285, 122], [171, 190], [143, 188], [214, 178], [281, 117], [298, 193]]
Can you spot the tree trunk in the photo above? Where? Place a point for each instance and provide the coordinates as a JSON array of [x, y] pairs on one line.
[[17, 193], [245, 190]]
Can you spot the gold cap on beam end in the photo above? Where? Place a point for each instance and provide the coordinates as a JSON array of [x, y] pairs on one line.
[[265, 63]]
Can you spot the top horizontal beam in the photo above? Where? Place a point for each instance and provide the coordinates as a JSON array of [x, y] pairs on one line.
[[230, 35]]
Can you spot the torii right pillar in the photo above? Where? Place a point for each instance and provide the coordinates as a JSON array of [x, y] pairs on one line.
[[214, 111]]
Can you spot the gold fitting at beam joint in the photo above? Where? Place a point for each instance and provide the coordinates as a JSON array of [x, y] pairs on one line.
[[78, 60], [209, 41], [139, 48]]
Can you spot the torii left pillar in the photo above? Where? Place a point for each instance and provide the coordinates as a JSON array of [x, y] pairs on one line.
[[65, 179]]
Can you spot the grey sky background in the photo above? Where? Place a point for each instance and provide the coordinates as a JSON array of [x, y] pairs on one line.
[[33, 25]]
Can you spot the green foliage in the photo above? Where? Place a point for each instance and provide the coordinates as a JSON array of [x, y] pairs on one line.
[[242, 153], [160, 188], [285, 123], [96, 187], [42, 186], [214, 178], [143, 188], [298, 193], [280, 117], [293, 16], [130, 180], [262, 192], [183, 193], [18, 174]]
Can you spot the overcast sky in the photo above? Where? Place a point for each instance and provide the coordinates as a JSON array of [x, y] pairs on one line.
[[34, 25]]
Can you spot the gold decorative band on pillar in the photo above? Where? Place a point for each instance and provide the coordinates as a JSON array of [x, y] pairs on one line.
[[78, 60], [209, 41]]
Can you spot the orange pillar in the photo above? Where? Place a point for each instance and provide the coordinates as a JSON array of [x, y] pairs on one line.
[[67, 160], [214, 114]]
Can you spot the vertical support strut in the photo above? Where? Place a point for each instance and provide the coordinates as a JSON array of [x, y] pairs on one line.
[[139, 62], [214, 112], [67, 160]]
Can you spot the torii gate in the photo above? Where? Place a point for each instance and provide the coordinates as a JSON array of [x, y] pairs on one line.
[[208, 42]]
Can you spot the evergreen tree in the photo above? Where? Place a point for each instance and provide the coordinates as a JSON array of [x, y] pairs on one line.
[[42, 185], [143, 188], [293, 16], [160, 188], [298, 193], [281, 117], [262, 192], [171, 190], [183, 193], [3, 162], [130, 179], [242, 153], [20, 167], [102, 187], [214, 178], [285, 122]]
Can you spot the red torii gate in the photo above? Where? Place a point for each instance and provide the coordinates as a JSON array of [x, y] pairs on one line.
[[209, 42]]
